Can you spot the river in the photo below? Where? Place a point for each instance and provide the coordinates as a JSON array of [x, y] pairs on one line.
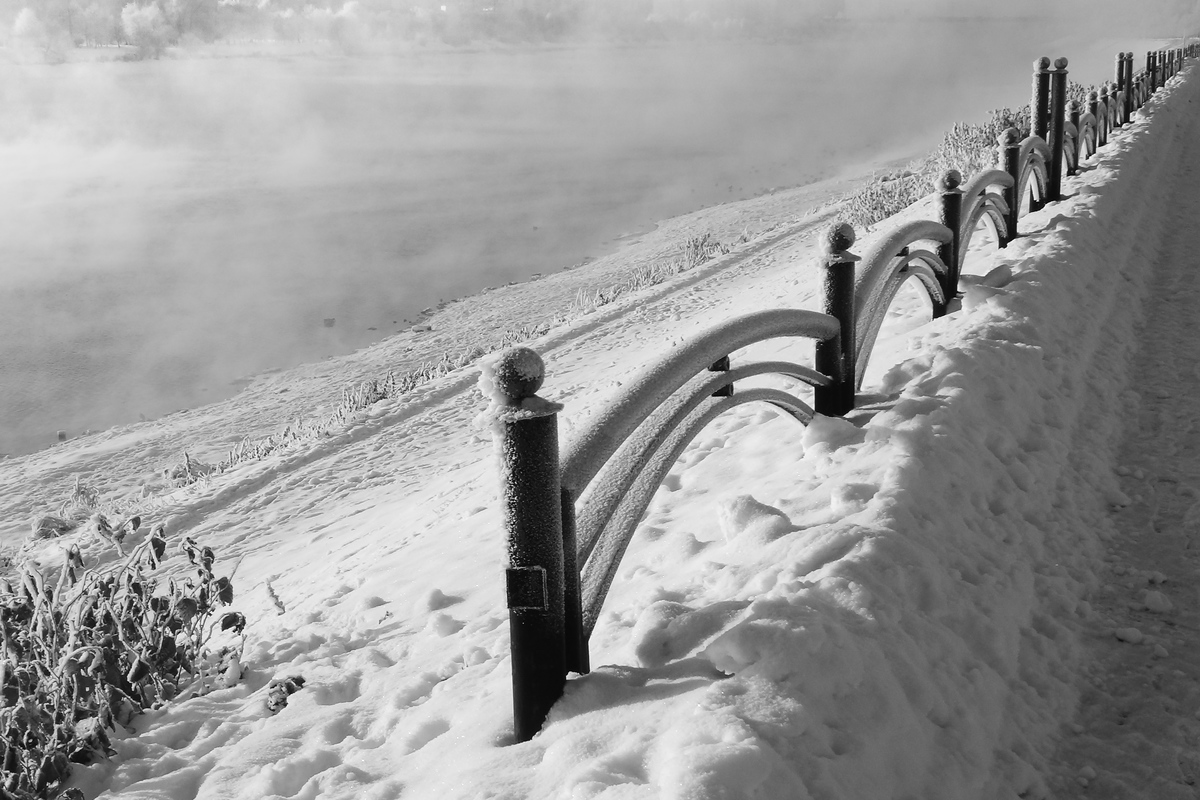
[[168, 228]]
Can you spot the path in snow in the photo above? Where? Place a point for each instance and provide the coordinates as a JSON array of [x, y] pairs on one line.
[[1137, 734]]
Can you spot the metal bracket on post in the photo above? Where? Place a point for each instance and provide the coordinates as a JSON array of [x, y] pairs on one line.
[[1010, 162], [527, 427], [722, 365], [1058, 100], [833, 357], [950, 216]]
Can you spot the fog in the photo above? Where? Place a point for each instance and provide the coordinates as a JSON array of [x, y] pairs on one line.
[[170, 227]]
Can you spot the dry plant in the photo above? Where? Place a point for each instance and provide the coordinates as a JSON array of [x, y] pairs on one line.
[[91, 649]]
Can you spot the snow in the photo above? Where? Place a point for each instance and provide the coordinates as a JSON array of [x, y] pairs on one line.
[[976, 585]]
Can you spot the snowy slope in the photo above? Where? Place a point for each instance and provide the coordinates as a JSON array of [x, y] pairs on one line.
[[899, 605]]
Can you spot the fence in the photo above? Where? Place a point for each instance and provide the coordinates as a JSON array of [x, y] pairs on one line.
[[570, 520]]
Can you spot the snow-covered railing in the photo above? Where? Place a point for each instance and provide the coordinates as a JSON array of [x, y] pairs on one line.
[[569, 527], [562, 554]]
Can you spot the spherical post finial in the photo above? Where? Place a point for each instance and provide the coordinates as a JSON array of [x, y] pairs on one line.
[[518, 373], [1060, 63], [839, 237], [949, 180], [1009, 137], [1042, 64]]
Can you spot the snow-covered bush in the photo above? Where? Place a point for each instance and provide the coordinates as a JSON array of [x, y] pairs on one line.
[[967, 147], [28, 32], [90, 648], [34, 39], [146, 28]]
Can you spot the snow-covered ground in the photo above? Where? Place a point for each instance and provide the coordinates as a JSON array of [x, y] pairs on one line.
[[977, 586]]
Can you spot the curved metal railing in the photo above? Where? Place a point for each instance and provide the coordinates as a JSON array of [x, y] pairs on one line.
[[617, 462], [569, 528]]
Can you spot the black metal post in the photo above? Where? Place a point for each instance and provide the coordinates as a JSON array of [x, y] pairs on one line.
[[1010, 162], [1152, 70], [1094, 110], [578, 659], [836, 358], [1074, 114], [722, 365], [1039, 108], [531, 492], [1127, 107], [1122, 87], [1058, 109], [951, 216], [1102, 122]]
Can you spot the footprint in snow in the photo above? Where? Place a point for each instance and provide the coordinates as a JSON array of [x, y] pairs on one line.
[[747, 521], [668, 630]]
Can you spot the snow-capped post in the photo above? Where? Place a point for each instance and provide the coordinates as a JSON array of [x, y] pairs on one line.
[[835, 357], [1039, 108], [1058, 110], [527, 427], [950, 215], [1010, 162]]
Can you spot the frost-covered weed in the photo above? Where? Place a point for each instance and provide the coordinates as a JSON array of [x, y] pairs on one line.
[[692, 253], [85, 509], [968, 148], [87, 649]]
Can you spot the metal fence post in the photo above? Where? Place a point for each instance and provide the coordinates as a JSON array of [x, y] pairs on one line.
[[950, 215], [1152, 71], [1094, 110], [578, 658], [1102, 122], [1127, 82], [1039, 107], [1074, 114], [1058, 103], [527, 427], [1010, 162], [836, 358], [1122, 87]]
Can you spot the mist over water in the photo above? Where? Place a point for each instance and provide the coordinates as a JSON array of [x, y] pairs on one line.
[[168, 228]]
